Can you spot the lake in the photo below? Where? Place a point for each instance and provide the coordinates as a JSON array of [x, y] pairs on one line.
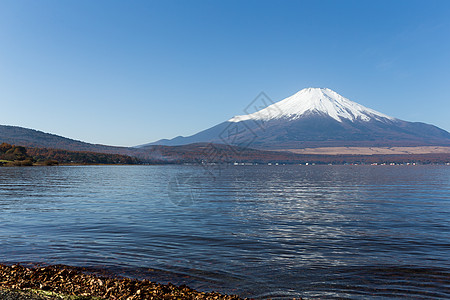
[[353, 232]]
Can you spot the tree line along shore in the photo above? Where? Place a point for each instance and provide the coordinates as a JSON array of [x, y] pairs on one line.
[[200, 154], [13, 155]]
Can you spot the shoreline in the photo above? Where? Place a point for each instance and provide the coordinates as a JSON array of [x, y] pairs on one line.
[[67, 282]]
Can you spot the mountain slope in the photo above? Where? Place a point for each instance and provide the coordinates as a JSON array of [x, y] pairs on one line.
[[316, 117], [192, 153], [35, 138]]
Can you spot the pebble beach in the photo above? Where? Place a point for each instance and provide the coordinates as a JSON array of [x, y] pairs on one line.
[[19, 282]]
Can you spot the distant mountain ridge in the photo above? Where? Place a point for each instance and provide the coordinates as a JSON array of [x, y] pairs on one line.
[[31, 138], [197, 153], [35, 138], [316, 117], [311, 118]]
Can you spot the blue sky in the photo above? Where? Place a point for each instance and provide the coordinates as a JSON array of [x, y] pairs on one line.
[[131, 72]]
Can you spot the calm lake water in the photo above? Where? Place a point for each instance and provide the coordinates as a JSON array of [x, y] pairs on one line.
[[259, 231]]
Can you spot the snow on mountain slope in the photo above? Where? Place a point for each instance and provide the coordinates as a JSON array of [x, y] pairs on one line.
[[315, 100]]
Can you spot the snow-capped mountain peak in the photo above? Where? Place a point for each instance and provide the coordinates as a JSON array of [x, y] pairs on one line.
[[315, 101], [316, 117]]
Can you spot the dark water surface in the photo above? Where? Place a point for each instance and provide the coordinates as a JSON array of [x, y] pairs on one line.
[[260, 231]]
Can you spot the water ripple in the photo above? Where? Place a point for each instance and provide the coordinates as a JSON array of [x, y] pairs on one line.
[[352, 232]]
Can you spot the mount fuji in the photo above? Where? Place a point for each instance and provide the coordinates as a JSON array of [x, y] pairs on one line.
[[316, 117]]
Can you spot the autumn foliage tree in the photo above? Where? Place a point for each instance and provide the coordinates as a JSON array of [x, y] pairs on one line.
[[15, 155], [21, 156]]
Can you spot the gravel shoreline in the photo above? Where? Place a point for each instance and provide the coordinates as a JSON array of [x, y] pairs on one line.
[[21, 295], [64, 282]]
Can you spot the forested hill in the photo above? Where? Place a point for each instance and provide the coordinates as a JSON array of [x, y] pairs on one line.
[[15, 135]]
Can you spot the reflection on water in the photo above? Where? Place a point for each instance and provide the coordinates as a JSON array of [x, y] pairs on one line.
[[261, 231]]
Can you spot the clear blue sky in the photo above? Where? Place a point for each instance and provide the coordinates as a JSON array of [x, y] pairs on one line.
[[131, 72]]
